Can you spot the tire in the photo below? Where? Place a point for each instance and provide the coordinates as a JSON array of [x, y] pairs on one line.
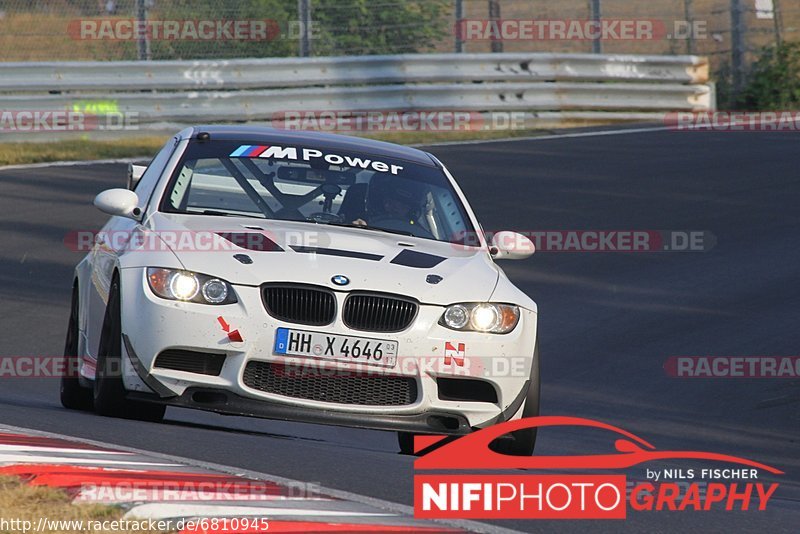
[[405, 440], [523, 442], [73, 395], [109, 388]]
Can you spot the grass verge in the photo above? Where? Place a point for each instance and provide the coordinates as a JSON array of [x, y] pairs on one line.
[[20, 503], [19, 153], [79, 150]]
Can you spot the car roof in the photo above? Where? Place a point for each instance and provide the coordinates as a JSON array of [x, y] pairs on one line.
[[265, 135]]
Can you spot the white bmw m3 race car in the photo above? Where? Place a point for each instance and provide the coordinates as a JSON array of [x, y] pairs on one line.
[[304, 277]]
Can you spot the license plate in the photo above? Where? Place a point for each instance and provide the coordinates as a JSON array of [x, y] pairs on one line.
[[368, 351]]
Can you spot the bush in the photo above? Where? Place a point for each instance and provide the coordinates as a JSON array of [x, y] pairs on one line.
[[774, 83], [361, 27], [280, 11], [340, 27]]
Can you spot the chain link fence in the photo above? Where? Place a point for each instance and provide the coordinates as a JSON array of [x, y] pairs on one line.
[[730, 32]]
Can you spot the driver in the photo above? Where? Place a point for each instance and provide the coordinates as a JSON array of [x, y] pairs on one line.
[[396, 200]]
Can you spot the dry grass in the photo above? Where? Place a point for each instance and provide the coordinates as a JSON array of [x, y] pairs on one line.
[[44, 36], [86, 150], [78, 150], [30, 503]]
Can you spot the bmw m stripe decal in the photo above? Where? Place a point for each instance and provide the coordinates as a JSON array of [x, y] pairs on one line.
[[249, 151], [241, 150]]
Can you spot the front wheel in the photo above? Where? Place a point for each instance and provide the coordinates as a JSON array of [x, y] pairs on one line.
[[523, 442], [109, 388], [73, 395], [405, 440]]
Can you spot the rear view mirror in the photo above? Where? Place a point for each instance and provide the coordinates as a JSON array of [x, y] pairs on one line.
[[119, 202], [305, 175], [135, 173], [511, 246]]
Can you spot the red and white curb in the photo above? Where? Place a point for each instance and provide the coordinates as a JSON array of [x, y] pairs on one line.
[[153, 486]]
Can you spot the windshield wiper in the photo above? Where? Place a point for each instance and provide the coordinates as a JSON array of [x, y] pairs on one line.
[[227, 214], [373, 228]]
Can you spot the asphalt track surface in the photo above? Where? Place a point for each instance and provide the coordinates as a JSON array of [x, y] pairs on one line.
[[608, 321]]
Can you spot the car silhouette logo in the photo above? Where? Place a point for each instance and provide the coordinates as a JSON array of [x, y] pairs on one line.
[[472, 451], [340, 280]]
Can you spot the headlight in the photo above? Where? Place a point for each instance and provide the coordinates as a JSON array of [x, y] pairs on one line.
[[189, 287], [481, 317]]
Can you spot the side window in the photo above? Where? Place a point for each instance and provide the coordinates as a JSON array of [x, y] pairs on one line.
[[144, 188]]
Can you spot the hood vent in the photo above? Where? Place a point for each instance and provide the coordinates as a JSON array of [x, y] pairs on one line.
[[251, 241], [336, 252], [418, 260]]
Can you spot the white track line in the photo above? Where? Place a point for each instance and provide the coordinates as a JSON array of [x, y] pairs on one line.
[[98, 495], [13, 459], [59, 450], [598, 133], [396, 508], [180, 510], [45, 165]]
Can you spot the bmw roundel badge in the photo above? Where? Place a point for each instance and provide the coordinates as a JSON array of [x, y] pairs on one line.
[[340, 280]]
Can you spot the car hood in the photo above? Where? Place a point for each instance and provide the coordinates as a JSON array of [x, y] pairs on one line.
[[283, 251]]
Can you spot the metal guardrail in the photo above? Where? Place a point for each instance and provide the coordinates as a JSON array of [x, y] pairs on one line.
[[348, 70], [253, 105], [258, 89]]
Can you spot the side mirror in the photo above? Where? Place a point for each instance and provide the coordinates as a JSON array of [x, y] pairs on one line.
[[119, 202], [511, 246], [135, 173]]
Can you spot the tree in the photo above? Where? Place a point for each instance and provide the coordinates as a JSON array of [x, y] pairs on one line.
[[350, 27]]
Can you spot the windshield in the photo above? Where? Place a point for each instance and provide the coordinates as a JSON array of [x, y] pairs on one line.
[[321, 186]]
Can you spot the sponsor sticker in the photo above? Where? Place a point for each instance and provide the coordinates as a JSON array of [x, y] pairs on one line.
[[598, 490], [454, 353], [312, 154]]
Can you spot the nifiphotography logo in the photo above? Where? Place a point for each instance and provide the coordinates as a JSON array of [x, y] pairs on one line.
[[735, 486]]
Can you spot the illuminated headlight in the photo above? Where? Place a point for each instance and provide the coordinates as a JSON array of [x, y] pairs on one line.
[[183, 286], [189, 287], [481, 317]]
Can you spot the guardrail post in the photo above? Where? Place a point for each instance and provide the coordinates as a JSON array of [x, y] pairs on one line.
[[494, 14], [304, 14], [459, 27], [778, 20], [143, 42], [689, 15], [597, 14], [738, 45]]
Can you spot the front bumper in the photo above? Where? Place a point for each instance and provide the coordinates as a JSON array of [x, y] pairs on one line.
[[152, 325], [228, 403]]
